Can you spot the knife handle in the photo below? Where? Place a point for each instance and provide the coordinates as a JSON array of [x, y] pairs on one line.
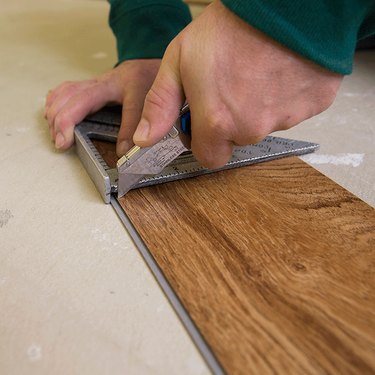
[[185, 121]]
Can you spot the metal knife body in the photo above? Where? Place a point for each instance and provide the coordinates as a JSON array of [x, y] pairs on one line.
[[141, 161]]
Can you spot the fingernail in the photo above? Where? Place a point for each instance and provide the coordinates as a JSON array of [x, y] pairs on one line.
[[123, 147], [59, 140], [142, 132]]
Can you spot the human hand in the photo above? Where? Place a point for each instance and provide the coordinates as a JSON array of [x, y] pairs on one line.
[[240, 85], [70, 102]]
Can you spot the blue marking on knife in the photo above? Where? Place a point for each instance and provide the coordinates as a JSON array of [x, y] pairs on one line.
[[185, 122]]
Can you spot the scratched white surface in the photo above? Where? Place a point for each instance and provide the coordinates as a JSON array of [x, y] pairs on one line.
[[75, 296]]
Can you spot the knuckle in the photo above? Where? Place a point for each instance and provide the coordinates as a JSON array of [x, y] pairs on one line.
[[213, 159], [211, 162], [208, 163], [158, 97], [64, 85], [265, 123], [250, 139], [327, 94], [51, 115], [327, 99], [255, 129], [63, 120], [76, 87], [87, 94], [242, 130], [220, 123], [86, 97]]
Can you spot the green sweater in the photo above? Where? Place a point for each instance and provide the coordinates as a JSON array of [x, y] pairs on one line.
[[324, 31]]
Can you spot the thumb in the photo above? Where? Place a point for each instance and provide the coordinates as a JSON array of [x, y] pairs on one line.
[[163, 101], [131, 114]]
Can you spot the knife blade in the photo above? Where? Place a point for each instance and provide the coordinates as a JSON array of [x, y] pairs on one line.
[[139, 162]]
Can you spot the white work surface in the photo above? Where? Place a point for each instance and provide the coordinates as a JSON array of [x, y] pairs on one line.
[[75, 295]]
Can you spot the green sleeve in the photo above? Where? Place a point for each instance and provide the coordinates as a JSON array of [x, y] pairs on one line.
[[144, 28], [324, 31]]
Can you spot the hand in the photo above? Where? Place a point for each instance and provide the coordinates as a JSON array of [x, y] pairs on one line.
[[70, 102], [240, 86]]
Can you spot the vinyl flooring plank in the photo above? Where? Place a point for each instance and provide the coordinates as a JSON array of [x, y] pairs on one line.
[[275, 264]]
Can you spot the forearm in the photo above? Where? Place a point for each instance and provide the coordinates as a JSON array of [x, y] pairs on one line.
[[144, 28], [324, 31]]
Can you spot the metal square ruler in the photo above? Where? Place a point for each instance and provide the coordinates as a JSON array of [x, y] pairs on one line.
[[105, 124]]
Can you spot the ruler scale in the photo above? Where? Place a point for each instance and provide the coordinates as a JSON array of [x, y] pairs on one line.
[[105, 124]]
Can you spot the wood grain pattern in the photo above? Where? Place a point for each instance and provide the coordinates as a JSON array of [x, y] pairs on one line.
[[274, 262]]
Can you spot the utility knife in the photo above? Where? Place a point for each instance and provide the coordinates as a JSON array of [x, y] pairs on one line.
[[139, 162]]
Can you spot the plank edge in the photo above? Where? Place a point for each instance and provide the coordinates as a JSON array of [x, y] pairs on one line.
[[201, 344]]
